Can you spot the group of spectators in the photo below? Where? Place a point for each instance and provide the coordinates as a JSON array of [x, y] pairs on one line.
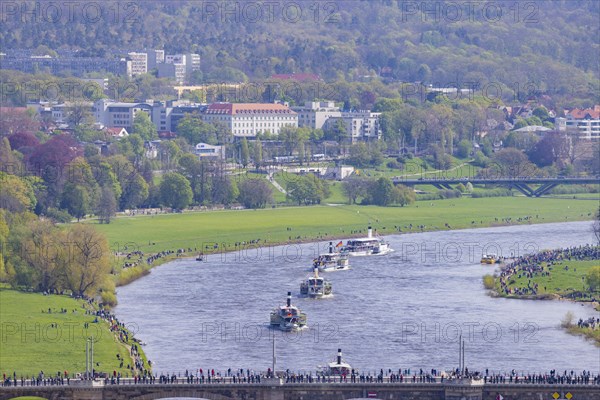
[[541, 264], [354, 376]]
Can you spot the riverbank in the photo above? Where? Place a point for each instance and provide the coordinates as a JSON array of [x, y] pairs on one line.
[[48, 333], [196, 232], [565, 274]]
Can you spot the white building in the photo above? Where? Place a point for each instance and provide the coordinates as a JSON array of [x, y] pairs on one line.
[[112, 114], [587, 121], [203, 150], [249, 119], [315, 114], [359, 125], [139, 63]]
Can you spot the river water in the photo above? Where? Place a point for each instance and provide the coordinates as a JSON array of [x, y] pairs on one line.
[[402, 310]]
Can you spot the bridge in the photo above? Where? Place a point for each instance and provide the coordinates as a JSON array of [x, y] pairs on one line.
[[277, 390], [521, 184]]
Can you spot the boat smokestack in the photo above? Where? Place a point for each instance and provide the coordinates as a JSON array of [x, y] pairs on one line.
[[370, 233], [330, 247], [339, 356], [289, 299], [316, 270]]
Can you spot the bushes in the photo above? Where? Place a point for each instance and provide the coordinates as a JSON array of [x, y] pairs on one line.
[[574, 189], [129, 275], [58, 216], [440, 195], [489, 282], [493, 193]]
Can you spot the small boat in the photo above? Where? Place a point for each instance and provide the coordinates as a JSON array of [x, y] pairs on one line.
[[288, 318], [337, 367], [332, 261], [315, 286], [489, 259], [200, 257], [367, 246]]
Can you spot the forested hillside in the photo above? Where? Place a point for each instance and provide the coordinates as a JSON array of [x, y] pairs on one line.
[[551, 44]]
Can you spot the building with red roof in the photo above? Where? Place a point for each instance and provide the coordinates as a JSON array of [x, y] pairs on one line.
[[249, 119]]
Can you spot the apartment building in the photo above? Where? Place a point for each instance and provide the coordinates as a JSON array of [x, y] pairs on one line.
[[586, 121], [139, 63], [360, 125], [315, 114]]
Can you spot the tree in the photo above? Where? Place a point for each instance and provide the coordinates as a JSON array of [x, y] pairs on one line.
[[355, 186], [513, 163], [107, 205], [143, 126], [596, 226], [195, 130], [359, 155], [42, 248], [23, 140], [463, 150], [16, 194], [135, 192], [76, 200], [79, 113], [403, 195], [307, 190], [175, 191], [224, 189], [553, 147], [255, 193], [257, 153], [244, 152], [593, 278], [88, 265], [383, 192], [14, 120]]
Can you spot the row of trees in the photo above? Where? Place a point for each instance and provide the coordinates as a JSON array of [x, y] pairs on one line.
[[37, 254], [378, 191]]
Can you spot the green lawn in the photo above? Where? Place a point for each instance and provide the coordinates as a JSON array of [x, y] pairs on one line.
[[30, 343], [560, 281], [172, 231]]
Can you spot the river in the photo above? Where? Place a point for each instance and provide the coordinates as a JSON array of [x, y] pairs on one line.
[[402, 310]]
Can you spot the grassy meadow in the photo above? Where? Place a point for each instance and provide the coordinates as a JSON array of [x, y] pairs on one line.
[[34, 340], [289, 224]]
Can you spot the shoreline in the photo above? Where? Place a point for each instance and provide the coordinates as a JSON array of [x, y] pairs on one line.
[[589, 333], [174, 257]]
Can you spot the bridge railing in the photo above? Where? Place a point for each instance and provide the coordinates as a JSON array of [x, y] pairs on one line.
[[416, 380]]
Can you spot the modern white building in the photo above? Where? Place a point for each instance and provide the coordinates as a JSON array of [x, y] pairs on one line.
[[315, 114], [112, 114], [204, 150], [249, 119], [360, 125], [586, 121], [139, 63]]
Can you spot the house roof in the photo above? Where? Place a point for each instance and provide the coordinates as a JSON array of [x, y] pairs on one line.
[[115, 131], [533, 128], [587, 113], [248, 108]]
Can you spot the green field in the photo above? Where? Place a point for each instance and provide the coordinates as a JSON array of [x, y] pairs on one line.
[[34, 341], [560, 281], [291, 224]]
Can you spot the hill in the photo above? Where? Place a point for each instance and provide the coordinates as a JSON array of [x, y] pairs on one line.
[[549, 45]]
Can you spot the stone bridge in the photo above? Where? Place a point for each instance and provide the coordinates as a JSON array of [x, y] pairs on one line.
[[309, 391]]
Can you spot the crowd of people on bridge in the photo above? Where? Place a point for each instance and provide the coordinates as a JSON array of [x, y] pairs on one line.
[[242, 376]]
